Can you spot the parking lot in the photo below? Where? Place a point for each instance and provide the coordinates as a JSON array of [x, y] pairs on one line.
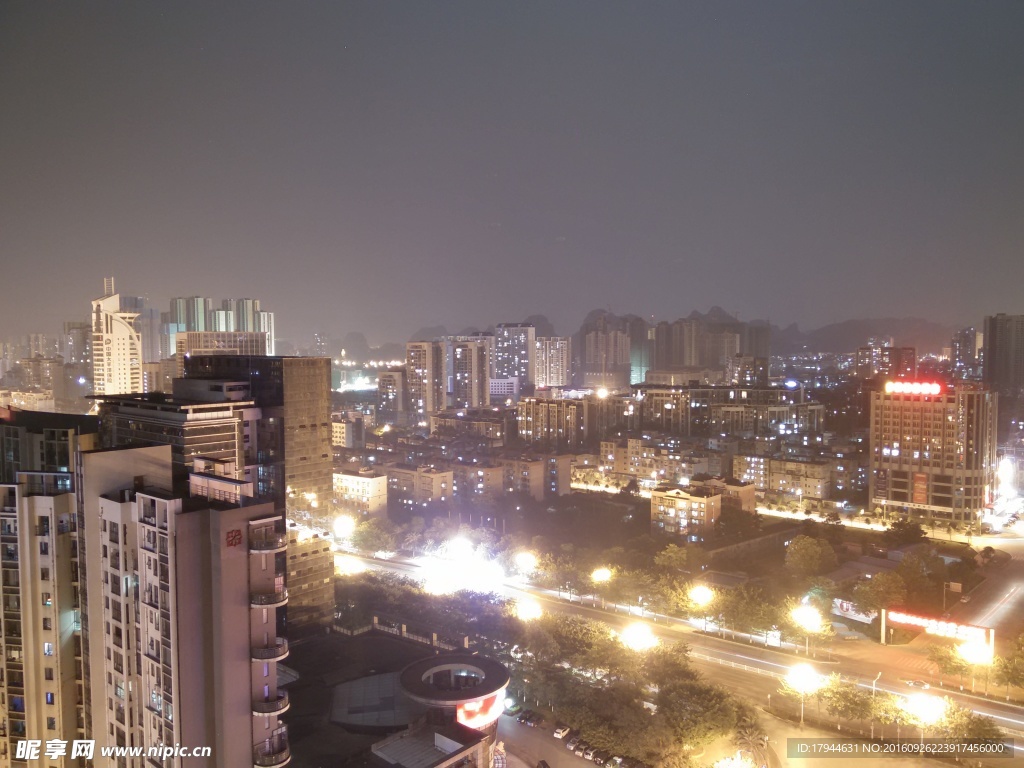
[[536, 744]]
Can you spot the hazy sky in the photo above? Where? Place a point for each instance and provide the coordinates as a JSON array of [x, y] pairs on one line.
[[381, 166]]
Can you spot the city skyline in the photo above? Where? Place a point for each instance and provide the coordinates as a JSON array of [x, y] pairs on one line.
[[841, 162]]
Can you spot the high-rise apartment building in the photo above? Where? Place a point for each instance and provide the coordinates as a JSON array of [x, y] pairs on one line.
[[965, 353], [606, 360], [1003, 369], [37, 441], [392, 396], [887, 361], [470, 381], [424, 364], [515, 353], [179, 628], [40, 689], [554, 361], [556, 424], [932, 450], [116, 346]]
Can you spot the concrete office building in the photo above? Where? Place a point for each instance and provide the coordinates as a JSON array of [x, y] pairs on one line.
[[116, 346], [932, 450], [1003, 369]]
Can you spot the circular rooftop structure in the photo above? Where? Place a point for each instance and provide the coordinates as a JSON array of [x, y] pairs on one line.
[[453, 679]]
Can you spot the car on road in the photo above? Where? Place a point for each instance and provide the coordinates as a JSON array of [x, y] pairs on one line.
[[572, 742], [965, 599], [561, 731], [918, 684]]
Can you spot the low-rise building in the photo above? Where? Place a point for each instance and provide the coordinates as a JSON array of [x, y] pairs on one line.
[[685, 512], [363, 490], [418, 485]]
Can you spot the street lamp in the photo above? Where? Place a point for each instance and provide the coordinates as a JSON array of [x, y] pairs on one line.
[[638, 637], [702, 596], [808, 618], [925, 709], [528, 609], [804, 680], [344, 527], [977, 653], [526, 562], [600, 576]]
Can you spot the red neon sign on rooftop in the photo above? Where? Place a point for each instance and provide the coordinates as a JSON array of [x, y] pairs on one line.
[[912, 388]]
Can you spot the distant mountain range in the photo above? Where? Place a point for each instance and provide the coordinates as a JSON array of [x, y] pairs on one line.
[[925, 335]]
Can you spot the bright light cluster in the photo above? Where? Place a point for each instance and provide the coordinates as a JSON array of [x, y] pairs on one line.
[[912, 388], [638, 637], [528, 609], [459, 566]]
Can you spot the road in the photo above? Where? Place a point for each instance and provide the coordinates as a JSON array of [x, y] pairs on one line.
[[753, 669]]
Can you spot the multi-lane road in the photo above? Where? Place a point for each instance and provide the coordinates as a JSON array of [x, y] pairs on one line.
[[754, 670]]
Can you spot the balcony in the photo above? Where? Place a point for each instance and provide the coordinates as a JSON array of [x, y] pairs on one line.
[[272, 754], [268, 542], [276, 650], [274, 706], [270, 599]]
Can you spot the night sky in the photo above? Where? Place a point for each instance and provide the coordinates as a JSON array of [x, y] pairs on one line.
[[383, 166]]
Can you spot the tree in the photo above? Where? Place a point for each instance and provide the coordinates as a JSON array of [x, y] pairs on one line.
[[750, 737], [888, 709], [884, 590], [902, 532], [676, 560], [738, 523], [806, 557], [1008, 671], [375, 535], [695, 712], [843, 700], [949, 661], [961, 724]]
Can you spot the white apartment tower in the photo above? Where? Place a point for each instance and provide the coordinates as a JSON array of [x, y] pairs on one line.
[[116, 346], [554, 358], [179, 625]]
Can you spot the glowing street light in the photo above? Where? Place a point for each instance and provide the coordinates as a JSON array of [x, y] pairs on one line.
[[924, 709], [344, 526], [977, 653], [638, 637], [702, 596], [528, 609], [601, 575], [526, 562], [804, 680], [808, 618]]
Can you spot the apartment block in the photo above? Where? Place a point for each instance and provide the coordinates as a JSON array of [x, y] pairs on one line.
[[364, 491]]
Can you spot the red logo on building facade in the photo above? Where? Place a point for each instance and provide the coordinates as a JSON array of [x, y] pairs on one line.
[[234, 538]]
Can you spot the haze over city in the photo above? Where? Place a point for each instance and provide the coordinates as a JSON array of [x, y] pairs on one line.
[[511, 385], [379, 168]]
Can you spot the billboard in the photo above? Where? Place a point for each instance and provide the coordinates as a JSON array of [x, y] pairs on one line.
[[481, 712]]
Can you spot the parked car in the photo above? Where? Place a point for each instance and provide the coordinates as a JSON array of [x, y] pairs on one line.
[[514, 709], [615, 761], [601, 757], [572, 742], [524, 716], [535, 720], [561, 731], [581, 748], [589, 754]]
